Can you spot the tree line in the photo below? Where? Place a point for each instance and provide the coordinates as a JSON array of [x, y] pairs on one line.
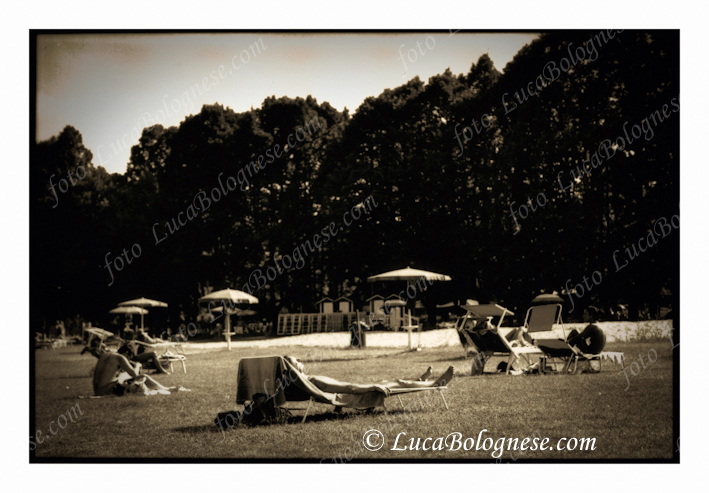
[[512, 183]]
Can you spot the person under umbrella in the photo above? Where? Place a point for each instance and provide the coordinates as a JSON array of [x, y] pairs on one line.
[[143, 303], [229, 299]]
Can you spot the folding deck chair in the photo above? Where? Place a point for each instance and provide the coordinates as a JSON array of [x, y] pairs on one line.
[[279, 380], [490, 341], [557, 352], [166, 358], [95, 337]]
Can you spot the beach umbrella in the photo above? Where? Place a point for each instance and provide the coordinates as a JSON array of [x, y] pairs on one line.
[[233, 297], [410, 276], [547, 299], [142, 303], [129, 310]]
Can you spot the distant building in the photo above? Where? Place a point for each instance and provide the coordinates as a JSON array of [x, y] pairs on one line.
[[326, 305], [376, 304], [344, 305]]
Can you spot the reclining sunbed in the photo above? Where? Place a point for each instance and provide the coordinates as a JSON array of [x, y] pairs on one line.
[[95, 337], [279, 380], [476, 329], [559, 355], [167, 357]]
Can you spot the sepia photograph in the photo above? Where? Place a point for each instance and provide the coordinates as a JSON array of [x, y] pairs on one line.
[[354, 245]]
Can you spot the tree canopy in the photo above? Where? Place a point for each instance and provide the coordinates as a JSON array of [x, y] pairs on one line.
[[512, 183]]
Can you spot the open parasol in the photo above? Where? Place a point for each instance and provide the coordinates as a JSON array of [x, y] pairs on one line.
[[142, 303], [410, 276], [129, 310], [231, 297]]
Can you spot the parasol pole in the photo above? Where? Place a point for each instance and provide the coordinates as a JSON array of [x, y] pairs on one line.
[[408, 314], [227, 325]]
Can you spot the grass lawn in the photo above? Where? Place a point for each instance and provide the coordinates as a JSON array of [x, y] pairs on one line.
[[635, 423]]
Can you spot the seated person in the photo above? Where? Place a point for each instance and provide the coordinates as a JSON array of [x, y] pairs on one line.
[[516, 337], [144, 355], [592, 339], [114, 375], [327, 384]]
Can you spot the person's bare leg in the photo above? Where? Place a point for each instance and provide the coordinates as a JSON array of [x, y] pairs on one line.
[[411, 384], [151, 383], [328, 384], [439, 382], [445, 378], [158, 365], [427, 374], [152, 358]]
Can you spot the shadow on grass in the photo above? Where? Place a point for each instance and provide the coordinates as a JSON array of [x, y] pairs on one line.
[[363, 357], [329, 416], [445, 360], [198, 429], [332, 416]]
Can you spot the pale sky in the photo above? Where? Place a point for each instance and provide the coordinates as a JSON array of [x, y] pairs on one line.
[[110, 86]]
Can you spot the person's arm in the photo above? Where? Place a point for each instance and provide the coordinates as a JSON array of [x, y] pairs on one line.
[[147, 339]]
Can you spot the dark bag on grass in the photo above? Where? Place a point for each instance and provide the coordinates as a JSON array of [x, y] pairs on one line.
[[262, 411]]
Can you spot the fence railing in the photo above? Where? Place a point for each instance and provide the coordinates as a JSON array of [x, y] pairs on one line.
[[311, 323]]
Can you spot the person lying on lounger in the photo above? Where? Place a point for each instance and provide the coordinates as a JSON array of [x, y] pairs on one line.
[[327, 384], [114, 375]]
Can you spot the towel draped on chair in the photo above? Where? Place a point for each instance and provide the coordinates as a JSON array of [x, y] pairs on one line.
[[279, 379]]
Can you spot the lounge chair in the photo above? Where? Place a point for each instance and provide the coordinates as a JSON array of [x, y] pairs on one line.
[[167, 357], [558, 355], [95, 337], [476, 329], [279, 380]]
